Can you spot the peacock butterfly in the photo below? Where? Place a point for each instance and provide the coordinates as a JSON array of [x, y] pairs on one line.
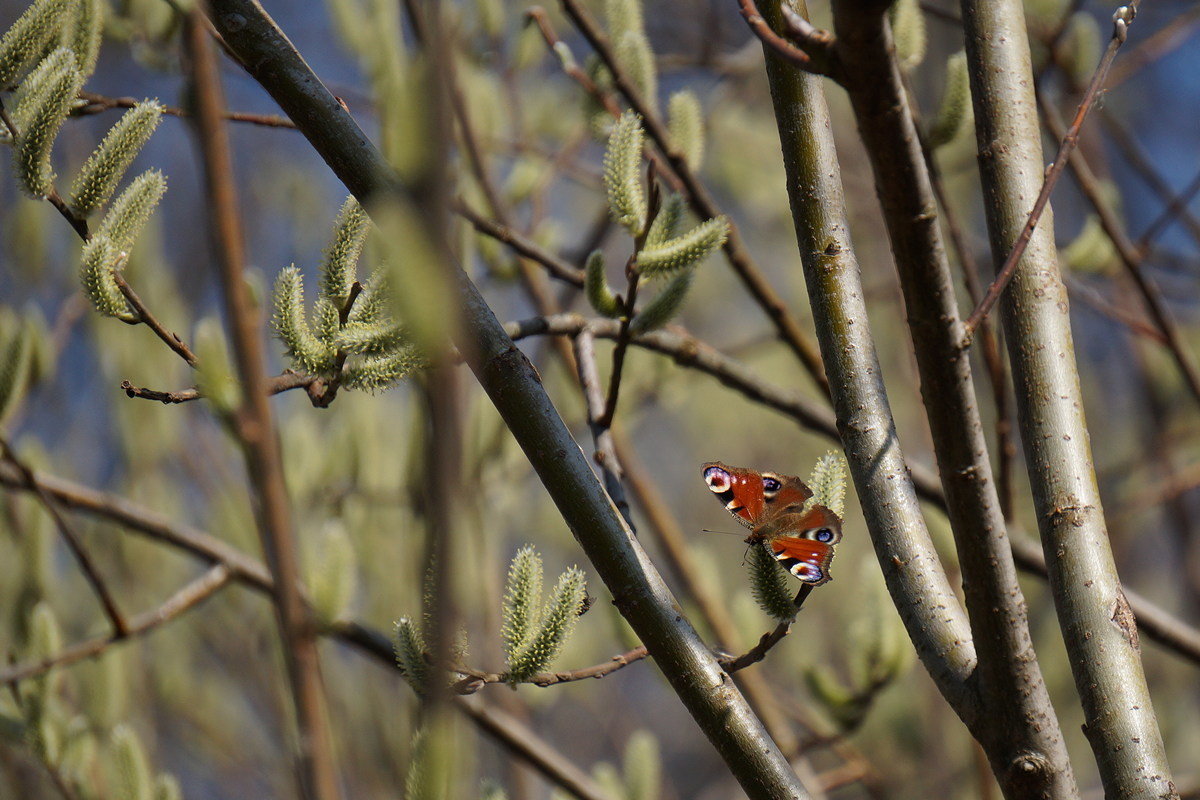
[[775, 508]]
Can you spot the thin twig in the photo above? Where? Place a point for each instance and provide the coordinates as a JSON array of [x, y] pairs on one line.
[[185, 599], [782, 47], [769, 639], [606, 454], [171, 339], [73, 540], [475, 680], [1068, 142], [1131, 258], [97, 103], [1158, 44], [283, 382], [522, 245]]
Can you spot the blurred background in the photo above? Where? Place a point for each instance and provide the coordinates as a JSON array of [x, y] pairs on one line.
[[206, 695]]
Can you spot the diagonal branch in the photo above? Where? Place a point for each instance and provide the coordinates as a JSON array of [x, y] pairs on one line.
[[71, 537], [1121, 20], [187, 598]]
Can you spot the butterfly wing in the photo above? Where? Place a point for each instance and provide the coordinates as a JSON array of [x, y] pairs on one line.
[[803, 543], [755, 497]]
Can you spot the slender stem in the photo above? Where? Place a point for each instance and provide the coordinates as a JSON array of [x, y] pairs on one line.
[[1093, 612], [1013, 718], [767, 35], [1069, 140], [187, 598], [524, 246], [618, 363], [768, 639], [71, 537], [602, 435], [97, 103], [256, 428], [477, 679], [171, 338], [1160, 43]]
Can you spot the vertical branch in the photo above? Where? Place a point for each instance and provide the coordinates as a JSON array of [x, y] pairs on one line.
[[1015, 722], [914, 575], [514, 387], [1097, 625], [255, 426]]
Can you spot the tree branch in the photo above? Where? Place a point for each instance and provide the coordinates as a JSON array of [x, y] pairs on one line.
[[911, 567], [187, 598], [1097, 629], [72, 538], [1012, 718]]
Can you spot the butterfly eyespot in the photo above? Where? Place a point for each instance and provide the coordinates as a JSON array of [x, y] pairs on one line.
[[809, 573], [824, 535], [771, 486], [717, 479]]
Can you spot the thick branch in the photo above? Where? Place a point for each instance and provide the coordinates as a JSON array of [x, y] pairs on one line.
[[1092, 609], [1012, 716], [922, 593]]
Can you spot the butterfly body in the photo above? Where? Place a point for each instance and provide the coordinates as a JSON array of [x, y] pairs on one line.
[[777, 510]]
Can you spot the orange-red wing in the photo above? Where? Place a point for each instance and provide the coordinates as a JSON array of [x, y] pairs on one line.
[[741, 490], [807, 559]]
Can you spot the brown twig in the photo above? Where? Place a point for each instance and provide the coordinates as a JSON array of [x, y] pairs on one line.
[[782, 47], [1131, 256], [283, 382], [71, 537], [97, 103], [1068, 142], [1157, 45], [255, 425], [185, 599], [522, 245], [475, 680], [171, 339], [769, 639]]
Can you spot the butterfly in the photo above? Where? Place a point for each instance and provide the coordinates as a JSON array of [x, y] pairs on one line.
[[775, 508]]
